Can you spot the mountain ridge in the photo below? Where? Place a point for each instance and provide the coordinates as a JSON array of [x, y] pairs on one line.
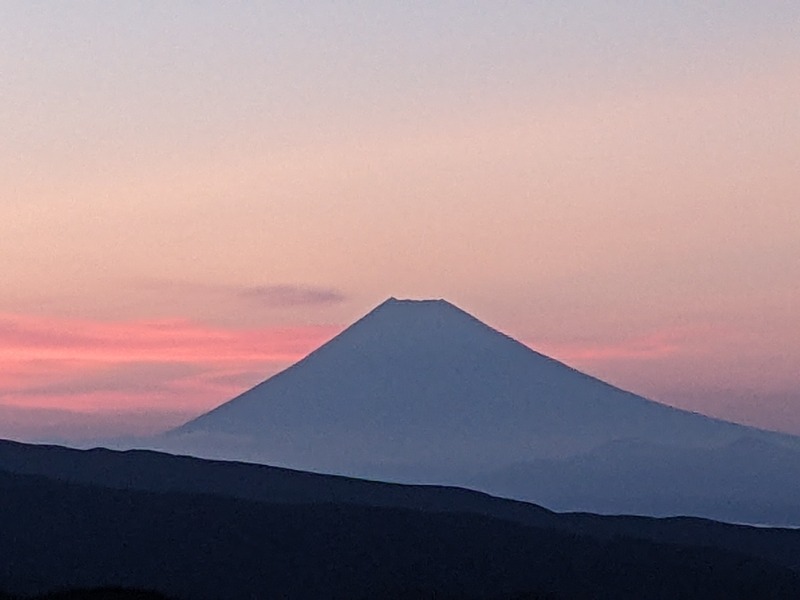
[[436, 312], [159, 473], [420, 391], [201, 546]]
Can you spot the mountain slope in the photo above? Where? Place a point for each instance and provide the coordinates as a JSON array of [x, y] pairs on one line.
[[150, 471]]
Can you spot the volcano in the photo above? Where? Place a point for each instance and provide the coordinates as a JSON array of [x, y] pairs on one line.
[[421, 391]]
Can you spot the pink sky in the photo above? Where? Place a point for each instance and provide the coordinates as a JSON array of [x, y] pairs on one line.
[[192, 197], [134, 376]]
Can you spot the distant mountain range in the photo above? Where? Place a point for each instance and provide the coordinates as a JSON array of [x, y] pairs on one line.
[[197, 529], [420, 391]]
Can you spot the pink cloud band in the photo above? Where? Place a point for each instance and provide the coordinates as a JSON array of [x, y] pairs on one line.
[[160, 366]]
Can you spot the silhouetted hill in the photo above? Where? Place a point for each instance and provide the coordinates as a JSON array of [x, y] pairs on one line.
[[158, 472], [102, 594], [148, 520], [57, 534], [422, 392]]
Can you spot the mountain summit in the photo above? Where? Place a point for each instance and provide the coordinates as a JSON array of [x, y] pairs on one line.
[[419, 390]]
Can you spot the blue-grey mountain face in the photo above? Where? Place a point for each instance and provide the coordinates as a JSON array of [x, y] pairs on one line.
[[421, 391]]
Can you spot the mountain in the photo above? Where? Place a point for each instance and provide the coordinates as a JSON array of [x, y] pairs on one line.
[[421, 391], [195, 529]]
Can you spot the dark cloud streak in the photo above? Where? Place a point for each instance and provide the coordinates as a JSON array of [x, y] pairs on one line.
[[279, 296], [269, 296]]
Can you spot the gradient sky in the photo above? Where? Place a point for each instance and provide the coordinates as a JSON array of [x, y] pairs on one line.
[[195, 194]]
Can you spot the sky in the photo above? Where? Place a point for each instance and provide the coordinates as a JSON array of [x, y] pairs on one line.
[[195, 194]]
